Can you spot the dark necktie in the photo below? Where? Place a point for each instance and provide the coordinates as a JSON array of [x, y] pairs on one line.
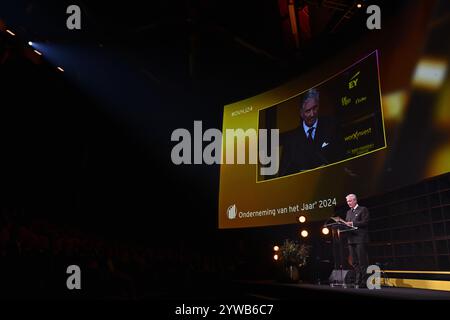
[[310, 132]]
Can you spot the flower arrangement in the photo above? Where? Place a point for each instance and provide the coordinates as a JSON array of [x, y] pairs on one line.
[[294, 254]]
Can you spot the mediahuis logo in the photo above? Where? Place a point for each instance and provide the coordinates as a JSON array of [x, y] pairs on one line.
[[231, 212]]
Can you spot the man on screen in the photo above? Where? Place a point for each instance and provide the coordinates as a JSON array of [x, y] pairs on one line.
[[358, 217], [314, 143]]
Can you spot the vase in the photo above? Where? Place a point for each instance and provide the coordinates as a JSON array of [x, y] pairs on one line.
[[293, 273]]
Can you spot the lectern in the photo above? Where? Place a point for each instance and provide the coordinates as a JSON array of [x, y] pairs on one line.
[[338, 227]]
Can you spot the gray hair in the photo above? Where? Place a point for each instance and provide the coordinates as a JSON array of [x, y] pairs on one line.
[[310, 94], [351, 195]]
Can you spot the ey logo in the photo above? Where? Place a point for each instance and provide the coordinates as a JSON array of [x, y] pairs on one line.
[[353, 81]]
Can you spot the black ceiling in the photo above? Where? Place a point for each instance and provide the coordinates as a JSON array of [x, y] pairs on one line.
[[180, 41]]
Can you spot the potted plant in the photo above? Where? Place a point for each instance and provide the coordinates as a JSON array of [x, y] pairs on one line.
[[293, 255]]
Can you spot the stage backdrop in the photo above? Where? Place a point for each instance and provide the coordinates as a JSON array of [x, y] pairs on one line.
[[388, 98]]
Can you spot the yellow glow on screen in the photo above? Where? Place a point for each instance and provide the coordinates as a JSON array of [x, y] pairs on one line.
[[394, 105], [439, 161], [442, 110]]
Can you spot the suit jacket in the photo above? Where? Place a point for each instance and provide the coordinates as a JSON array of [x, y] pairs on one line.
[[299, 154], [360, 219]]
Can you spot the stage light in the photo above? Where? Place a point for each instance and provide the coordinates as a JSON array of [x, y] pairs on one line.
[[325, 230], [304, 233], [30, 43], [38, 52], [10, 32], [60, 69], [302, 219], [430, 73], [276, 248], [359, 5], [275, 257]]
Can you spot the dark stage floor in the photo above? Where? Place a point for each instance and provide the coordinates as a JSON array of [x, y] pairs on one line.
[[280, 291], [275, 291]]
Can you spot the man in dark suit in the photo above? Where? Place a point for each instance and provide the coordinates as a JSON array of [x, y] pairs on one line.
[[314, 143], [358, 217]]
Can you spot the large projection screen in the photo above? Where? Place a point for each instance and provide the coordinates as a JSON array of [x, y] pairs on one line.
[[383, 122]]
